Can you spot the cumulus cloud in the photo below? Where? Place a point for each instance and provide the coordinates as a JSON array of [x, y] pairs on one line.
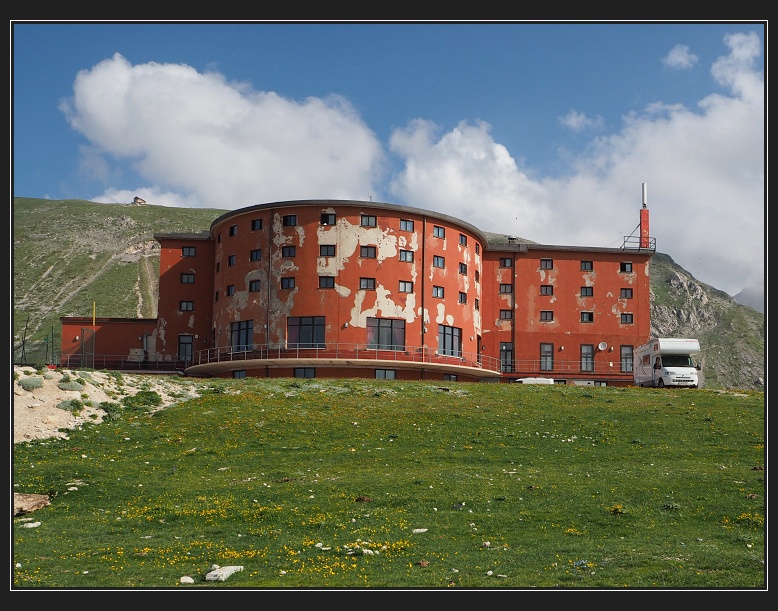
[[578, 121], [680, 57]]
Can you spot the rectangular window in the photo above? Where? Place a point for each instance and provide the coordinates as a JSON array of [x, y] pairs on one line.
[[256, 254], [506, 262], [506, 314], [367, 284], [625, 294], [547, 315], [185, 345], [304, 372], [587, 291], [463, 268], [216, 296], [546, 289], [186, 306], [288, 251], [305, 332], [385, 374], [625, 266], [385, 334], [289, 220], [233, 230], [287, 283], [327, 250], [477, 276], [327, 218], [406, 255], [626, 319], [438, 232], [449, 377], [367, 252], [230, 290], [187, 278], [547, 357], [587, 266], [218, 266], [506, 288], [546, 264], [462, 239], [587, 316], [406, 225], [231, 260], [254, 286], [477, 248], [587, 357], [188, 251], [256, 224], [477, 303], [626, 359], [368, 220], [238, 374], [326, 282], [437, 291], [406, 287], [438, 261], [507, 364], [449, 340], [242, 335], [462, 297]]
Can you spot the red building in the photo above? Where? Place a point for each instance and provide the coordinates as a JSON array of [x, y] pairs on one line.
[[331, 288]]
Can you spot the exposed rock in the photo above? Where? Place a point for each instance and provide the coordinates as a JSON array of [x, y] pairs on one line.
[[26, 503]]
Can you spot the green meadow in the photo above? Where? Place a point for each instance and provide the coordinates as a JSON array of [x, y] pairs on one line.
[[312, 483]]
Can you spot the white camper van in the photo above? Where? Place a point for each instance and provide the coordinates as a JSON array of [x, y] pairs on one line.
[[669, 361]]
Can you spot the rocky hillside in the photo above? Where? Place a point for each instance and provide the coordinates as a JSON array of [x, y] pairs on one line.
[[76, 258]]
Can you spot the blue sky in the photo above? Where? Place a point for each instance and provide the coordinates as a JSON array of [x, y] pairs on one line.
[[542, 130]]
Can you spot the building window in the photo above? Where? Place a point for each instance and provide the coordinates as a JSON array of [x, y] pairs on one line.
[[506, 288], [587, 357], [327, 250], [547, 315], [546, 289], [587, 316], [287, 283], [305, 332], [477, 304], [477, 248], [587, 266], [186, 306], [238, 374], [304, 372], [219, 239], [368, 220], [327, 218], [463, 268], [626, 319], [233, 230], [187, 278], [256, 254], [507, 364], [406, 287], [231, 260], [242, 335], [506, 262], [216, 296], [385, 334], [367, 252], [367, 284], [462, 239], [438, 261], [254, 286], [462, 297], [625, 294], [230, 290], [547, 357], [188, 251], [506, 314], [625, 266], [626, 359], [218, 266], [449, 377], [587, 291], [185, 345], [256, 224], [406, 225], [289, 220], [385, 374], [437, 291], [406, 255], [546, 264], [477, 276], [438, 232], [288, 251], [449, 340], [326, 282]]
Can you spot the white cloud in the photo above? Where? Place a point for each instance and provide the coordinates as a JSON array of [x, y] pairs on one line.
[[578, 121], [680, 57]]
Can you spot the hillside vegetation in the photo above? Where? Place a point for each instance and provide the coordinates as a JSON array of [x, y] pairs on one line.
[[71, 254]]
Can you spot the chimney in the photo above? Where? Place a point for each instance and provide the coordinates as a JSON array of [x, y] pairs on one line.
[[644, 230]]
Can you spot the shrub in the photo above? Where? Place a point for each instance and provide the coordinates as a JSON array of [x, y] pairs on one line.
[[74, 406], [31, 383], [113, 411], [142, 399], [70, 385]]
